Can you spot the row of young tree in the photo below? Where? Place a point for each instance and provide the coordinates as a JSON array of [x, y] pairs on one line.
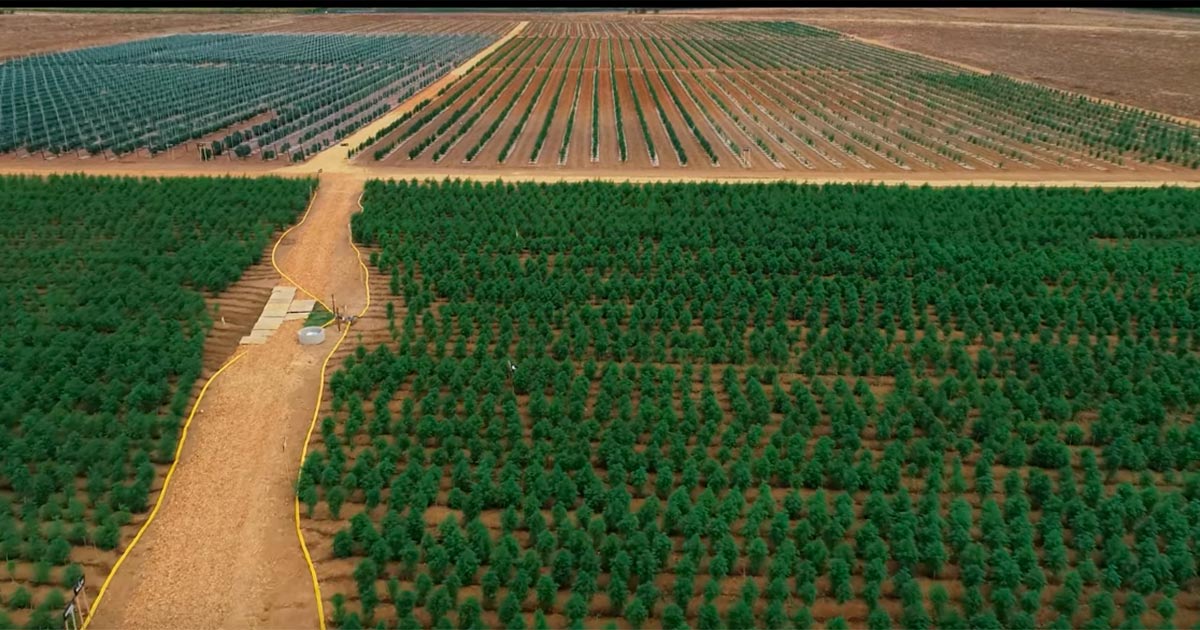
[[1013, 113], [105, 292], [964, 408], [498, 61]]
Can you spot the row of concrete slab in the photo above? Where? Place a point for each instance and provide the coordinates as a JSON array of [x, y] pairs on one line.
[[281, 307]]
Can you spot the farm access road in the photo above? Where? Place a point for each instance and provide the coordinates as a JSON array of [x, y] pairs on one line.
[[333, 161], [223, 551]]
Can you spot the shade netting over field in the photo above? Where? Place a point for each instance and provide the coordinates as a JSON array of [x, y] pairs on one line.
[[303, 90]]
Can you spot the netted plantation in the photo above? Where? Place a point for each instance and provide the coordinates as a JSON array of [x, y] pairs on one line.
[[271, 95], [104, 292], [767, 406]]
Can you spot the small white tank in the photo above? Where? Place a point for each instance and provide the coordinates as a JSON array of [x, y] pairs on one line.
[[311, 335]]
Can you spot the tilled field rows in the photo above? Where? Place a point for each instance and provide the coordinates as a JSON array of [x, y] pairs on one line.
[[769, 97]]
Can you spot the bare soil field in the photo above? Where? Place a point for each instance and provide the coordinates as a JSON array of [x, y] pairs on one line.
[[1142, 59], [27, 33], [1013, 16]]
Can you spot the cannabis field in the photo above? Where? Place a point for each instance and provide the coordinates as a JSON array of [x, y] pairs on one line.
[[104, 295], [771, 405]]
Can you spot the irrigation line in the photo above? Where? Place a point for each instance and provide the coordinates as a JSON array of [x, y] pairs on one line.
[[161, 494], [312, 569]]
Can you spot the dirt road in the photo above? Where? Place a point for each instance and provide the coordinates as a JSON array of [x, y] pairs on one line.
[[223, 551]]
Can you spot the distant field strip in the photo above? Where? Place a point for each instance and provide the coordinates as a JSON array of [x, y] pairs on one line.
[[800, 97], [265, 94]]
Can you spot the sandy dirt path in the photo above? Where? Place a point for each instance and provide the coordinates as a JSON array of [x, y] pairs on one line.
[[1057, 180], [223, 551], [317, 255]]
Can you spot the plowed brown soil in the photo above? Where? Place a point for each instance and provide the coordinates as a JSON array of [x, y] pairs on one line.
[[28, 33], [1138, 58]]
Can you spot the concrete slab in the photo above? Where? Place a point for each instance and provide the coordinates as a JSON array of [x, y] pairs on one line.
[[268, 323], [275, 309], [282, 294], [251, 340], [291, 317], [302, 306]]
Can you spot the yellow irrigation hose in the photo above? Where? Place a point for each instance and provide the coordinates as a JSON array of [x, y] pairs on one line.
[[312, 569], [280, 240], [304, 450], [161, 493]]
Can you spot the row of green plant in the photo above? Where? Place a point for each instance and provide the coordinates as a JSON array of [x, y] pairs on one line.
[[163, 92], [768, 405], [620, 124], [105, 295], [502, 116], [505, 74], [662, 113], [566, 141], [510, 51], [637, 107], [1113, 133], [533, 101], [562, 82]]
